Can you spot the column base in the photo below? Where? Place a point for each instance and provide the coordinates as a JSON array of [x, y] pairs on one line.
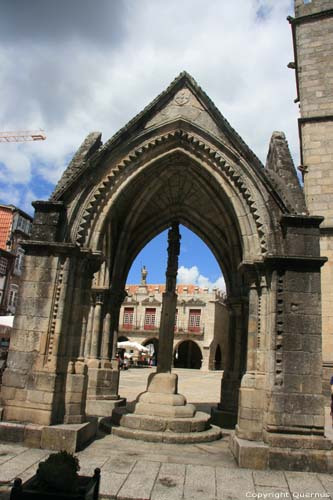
[[223, 418], [249, 454], [68, 437], [103, 407], [289, 452]]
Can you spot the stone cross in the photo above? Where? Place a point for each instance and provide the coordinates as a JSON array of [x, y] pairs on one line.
[[169, 303]]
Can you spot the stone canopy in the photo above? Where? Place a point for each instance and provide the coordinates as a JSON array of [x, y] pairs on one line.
[[178, 160]]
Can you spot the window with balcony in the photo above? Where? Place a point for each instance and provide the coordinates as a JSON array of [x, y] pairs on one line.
[[150, 317], [128, 317], [194, 320]]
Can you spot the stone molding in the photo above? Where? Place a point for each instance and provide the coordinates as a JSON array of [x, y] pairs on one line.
[[195, 144]]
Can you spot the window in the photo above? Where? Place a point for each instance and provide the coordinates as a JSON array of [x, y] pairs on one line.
[[12, 298], [128, 317], [150, 315], [3, 265], [176, 319], [194, 320], [19, 261], [22, 224]]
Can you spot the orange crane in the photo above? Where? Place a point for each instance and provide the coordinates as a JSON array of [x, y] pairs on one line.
[[23, 136]]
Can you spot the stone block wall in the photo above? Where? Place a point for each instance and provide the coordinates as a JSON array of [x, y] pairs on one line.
[[317, 146], [313, 37], [28, 387], [305, 7]]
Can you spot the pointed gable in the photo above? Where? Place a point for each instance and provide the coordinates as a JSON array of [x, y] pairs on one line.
[[183, 99]]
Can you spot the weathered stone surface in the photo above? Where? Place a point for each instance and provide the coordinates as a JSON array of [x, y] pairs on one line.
[[166, 383], [165, 410], [71, 437], [162, 399], [211, 434]]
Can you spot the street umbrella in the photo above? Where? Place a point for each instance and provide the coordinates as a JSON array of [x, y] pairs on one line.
[[127, 344], [6, 321]]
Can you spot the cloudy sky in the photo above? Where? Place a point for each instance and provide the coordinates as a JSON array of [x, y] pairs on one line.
[[74, 66]]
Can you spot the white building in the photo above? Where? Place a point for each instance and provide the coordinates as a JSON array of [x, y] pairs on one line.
[[201, 324]]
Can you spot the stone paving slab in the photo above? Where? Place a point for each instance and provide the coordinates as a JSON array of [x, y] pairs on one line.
[[200, 482], [270, 478], [169, 484], [139, 484], [233, 484], [173, 473], [308, 483]]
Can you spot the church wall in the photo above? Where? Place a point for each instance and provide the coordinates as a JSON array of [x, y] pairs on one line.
[[313, 33]]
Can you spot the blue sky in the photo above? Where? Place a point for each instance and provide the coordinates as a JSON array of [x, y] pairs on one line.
[[197, 264], [70, 68]]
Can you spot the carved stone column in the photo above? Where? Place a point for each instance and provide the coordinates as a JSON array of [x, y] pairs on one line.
[[226, 412], [286, 387], [252, 394], [87, 344], [105, 349], [96, 327], [169, 303], [45, 337], [116, 299], [103, 385]]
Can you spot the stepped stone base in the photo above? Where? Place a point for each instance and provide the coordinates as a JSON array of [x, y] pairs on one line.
[[162, 415], [211, 434]]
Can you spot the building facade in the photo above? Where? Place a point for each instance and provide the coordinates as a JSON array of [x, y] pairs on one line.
[[15, 225], [201, 324]]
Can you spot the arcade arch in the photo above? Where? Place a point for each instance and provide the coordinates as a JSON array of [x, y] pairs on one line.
[[187, 354]]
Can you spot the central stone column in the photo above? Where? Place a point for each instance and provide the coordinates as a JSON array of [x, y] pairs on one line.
[[169, 303], [160, 413]]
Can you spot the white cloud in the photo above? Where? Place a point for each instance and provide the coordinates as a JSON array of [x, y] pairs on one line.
[[192, 276], [61, 73]]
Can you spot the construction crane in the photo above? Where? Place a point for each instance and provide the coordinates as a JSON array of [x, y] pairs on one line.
[[23, 136]]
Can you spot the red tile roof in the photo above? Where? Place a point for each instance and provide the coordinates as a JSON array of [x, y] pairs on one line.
[[6, 217], [191, 289]]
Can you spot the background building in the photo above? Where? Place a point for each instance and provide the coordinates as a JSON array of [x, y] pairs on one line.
[[15, 225], [201, 324]]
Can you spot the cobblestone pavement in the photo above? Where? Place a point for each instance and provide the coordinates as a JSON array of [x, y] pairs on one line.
[[154, 471]]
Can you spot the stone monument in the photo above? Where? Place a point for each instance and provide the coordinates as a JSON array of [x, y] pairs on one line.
[[160, 413]]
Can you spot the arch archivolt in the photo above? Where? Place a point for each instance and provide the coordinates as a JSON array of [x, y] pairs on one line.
[[240, 190]]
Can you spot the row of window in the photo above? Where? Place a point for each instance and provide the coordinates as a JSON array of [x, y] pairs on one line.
[[150, 319]]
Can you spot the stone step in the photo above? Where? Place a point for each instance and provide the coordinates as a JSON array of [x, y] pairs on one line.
[[199, 423], [208, 435]]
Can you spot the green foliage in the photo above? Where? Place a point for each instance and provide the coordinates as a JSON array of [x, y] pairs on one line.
[[59, 472]]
